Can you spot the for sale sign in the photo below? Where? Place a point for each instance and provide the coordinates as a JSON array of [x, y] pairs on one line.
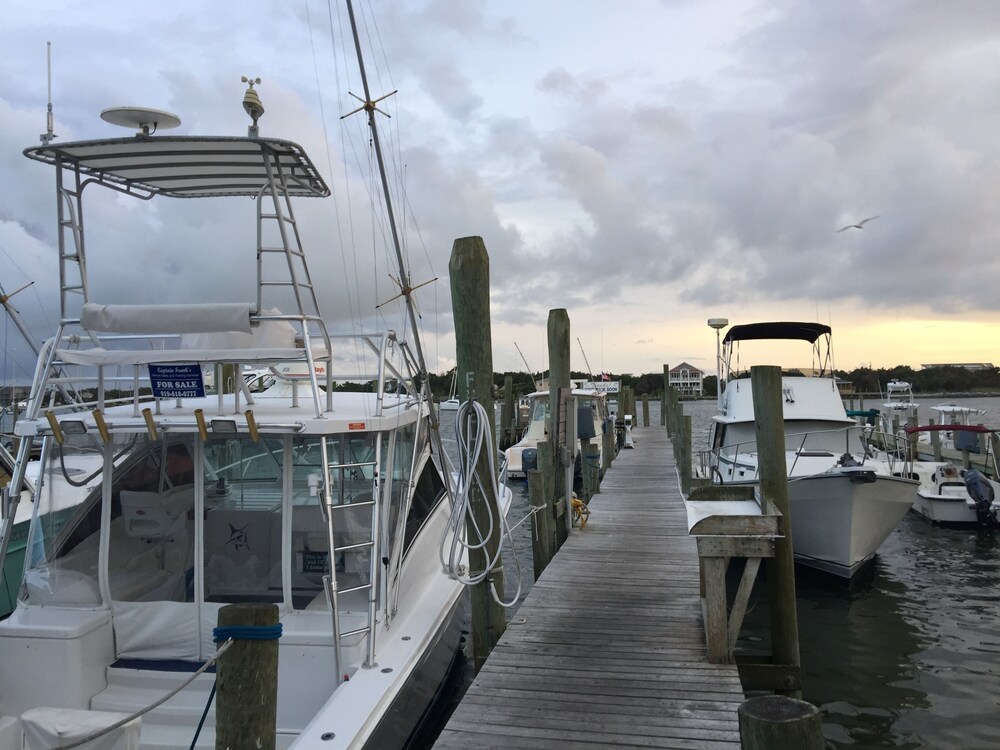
[[176, 381]]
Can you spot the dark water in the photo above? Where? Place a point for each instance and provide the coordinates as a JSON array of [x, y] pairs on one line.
[[909, 660]]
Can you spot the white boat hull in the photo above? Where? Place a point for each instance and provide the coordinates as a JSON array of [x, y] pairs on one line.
[[840, 519], [945, 508]]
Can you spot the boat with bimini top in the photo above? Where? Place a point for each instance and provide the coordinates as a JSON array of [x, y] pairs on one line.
[[843, 506], [153, 510]]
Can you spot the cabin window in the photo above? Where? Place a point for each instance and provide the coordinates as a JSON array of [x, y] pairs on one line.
[[63, 545], [243, 491], [151, 550], [540, 410], [429, 491], [151, 527]]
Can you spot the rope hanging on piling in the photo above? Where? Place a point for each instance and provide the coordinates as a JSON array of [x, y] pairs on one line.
[[472, 429]]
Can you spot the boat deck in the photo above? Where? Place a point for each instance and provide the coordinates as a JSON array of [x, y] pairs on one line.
[[608, 649]]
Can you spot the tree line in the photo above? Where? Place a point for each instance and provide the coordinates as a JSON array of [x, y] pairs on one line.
[[946, 379]]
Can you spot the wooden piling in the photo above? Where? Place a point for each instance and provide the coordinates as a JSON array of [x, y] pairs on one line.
[[247, 682], [663, 399], [769, 417], [607, 439], [508, 415], [540, 495], [684, 455], [469, 268], [645, 411], [559, 378], [776, 722], [935, 442]]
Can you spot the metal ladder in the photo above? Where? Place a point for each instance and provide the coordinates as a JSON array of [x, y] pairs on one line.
[[72, 255], [330, 508], [298, 278]]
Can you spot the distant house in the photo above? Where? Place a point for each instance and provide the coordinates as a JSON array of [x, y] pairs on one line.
[[686, 379], [963, 365], [846, 387]]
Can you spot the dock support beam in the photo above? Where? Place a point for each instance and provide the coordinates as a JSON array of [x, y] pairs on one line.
[[469, 269]]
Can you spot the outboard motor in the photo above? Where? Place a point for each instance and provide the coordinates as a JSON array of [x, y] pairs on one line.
[[981, 492], [529, 459]]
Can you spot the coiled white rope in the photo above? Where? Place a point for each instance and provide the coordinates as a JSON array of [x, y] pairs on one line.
[[472, 430]]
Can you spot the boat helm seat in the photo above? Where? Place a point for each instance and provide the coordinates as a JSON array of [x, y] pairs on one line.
[[149, 515]]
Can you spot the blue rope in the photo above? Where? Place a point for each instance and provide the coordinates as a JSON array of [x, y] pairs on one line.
[[247, 633], [204, 714]]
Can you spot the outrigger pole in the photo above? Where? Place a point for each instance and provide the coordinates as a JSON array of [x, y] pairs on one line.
[[369, 106]]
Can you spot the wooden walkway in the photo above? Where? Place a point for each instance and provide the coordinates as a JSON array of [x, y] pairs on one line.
[[608, 649]]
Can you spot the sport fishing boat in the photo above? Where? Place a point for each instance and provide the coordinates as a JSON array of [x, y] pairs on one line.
[[843, 506], [158, 502], [592, 421], [950, 495], [898, 406]]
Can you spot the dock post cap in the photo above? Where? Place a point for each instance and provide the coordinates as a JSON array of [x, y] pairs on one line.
[[778, 722]]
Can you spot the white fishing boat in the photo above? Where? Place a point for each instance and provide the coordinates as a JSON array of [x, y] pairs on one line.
[[153, 511], [843, 506], [592, 421], [898, 406], [952, 415], [950, 495]]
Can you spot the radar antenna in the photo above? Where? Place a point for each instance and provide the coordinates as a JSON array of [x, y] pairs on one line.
[[142, 118]]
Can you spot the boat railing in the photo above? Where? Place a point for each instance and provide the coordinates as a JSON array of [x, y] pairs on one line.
[[796, 443], [92, 372]]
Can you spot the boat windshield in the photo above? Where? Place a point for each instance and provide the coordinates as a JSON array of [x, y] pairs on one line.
[[540, 409], [229, 491]]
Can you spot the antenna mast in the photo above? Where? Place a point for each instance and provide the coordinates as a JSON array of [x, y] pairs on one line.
[[48, 135], [530, 371], [369, 106], [585, 360]]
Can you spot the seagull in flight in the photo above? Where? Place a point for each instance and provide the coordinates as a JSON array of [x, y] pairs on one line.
[[859, 225]]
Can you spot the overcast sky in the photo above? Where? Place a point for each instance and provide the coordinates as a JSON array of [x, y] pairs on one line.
[[645, 165]]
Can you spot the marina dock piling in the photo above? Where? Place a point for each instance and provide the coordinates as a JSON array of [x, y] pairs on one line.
[[769, 417], [663, 398], [541, 493], [247, 680], [776, 722], [508, 415], [469, 269], [559, 380]]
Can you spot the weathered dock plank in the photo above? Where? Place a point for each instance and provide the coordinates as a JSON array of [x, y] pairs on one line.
[[608, 649]]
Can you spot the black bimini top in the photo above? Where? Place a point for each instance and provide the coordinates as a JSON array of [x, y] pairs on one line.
[[188, 166], [751, 331]]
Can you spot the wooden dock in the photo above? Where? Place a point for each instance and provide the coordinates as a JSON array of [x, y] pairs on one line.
[[608, 650]]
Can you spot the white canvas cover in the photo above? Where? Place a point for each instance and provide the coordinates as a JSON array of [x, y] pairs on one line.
[[201, 318], [156, 630], [46, 728]]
